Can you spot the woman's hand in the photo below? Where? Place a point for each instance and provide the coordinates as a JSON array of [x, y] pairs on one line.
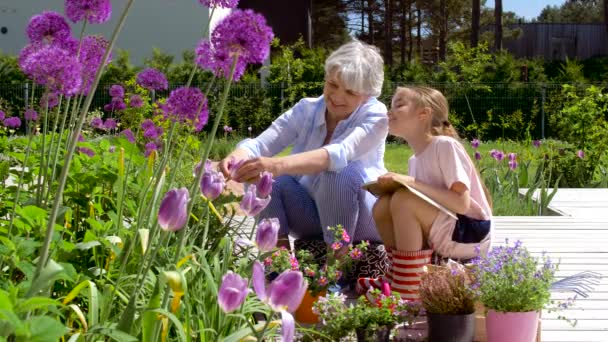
[[251, 170], [227, 165]]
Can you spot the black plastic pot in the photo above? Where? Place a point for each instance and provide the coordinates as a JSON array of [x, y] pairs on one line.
[[381, 334], [451, 328]]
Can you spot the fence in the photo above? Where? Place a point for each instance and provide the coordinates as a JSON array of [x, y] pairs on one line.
[[507, 109]]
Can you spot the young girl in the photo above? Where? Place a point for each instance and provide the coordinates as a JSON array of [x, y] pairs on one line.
[[411, 228]]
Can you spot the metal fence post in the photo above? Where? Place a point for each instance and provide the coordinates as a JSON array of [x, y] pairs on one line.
[[26, 98], [543, 95]]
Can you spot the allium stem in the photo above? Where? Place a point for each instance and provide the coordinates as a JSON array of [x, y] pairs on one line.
[[49, 181], [43, 165], [44, 251], [59, 143], [194, 66], [20, 183]]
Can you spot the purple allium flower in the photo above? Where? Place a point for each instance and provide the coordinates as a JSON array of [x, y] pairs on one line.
[[251, 204], [54, 68], [153, 132], [80, 137], [475, 143], [477, 155], [12, 122], [152, 79], [267, 234], [110, 124], [136, 102], [93, 11], [116, 105], [87, 151], [580, 154], [264, 184], [220, 3], [536, 143], [49, 99], [212, 184], [91, 55], [184, 104], [48, 27], [127, 133], [232, 292], [31, 115], [97, 122], [2, 115], [116, 90], [147, 124], [151, 146], [242, 34], [173, 211]]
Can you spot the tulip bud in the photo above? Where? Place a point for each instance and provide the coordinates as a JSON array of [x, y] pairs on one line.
[[212, 184], [232, 292], [173, 211], [264, 185], [267, 234], [251, 204]]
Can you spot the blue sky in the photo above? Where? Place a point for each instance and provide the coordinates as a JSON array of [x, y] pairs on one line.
[[526, 8]]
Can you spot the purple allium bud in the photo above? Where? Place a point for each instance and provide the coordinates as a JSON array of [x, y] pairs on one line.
[[49, 99], [267, 234], [220, 3], [136, 102], [151, 146], [232, 292], [93, 11], [117, 90], [173, 211], [110, 124], [152, 79], [475, 143], [212, 184], [251, 204], [536, 143], [87, 151], [580, 154], [264, 184], [12, 122], [127, 133], [48, 27], [477, 155], [97, 122], [31, 115]]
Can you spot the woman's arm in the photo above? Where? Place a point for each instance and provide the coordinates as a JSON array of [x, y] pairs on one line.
[[309, 162]]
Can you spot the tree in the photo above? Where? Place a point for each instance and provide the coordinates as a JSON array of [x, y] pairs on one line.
[[443, 29], [498, 25], [573, 11], [475, 17], [606, 14], [328, 23]]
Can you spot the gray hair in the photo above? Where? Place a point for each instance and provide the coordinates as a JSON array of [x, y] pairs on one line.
[[360, 67]]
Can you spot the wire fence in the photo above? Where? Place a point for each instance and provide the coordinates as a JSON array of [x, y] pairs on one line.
[[503, 107]]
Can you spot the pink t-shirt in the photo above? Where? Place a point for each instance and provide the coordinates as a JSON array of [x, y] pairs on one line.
[[444, 162]]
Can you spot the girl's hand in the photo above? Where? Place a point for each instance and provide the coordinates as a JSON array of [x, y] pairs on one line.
[[392, 179]]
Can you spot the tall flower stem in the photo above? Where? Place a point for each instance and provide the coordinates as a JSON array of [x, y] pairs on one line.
[[42, 156], [59, 143], [194, 66], [44, 252], [48, 181], [20, 183]]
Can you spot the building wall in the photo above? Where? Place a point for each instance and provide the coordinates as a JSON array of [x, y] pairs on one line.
[[171, 25]]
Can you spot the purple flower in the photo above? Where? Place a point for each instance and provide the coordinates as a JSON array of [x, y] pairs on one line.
[[136, 102], [513, 164], [151, 146], [112, 149], [117, 104], [12, 122], [536, 143], [188, 104], [127, 133], [54, 68], [152, 79], [251, 204], [110, 124], [116, 90], [477, 155], [232, 292], [234, 165], [212, 184], [264, 185], [91, 55], [87, 151], [173, 211], [49, 99], [93, 11], [31, 115], [242, 34], [580, 154], [80, 137], [97, 123], [147, 124], [355, 253], [48, 27], [197, 168], [512, 156], [220, 3], [267, 234], [475, 143], [153, 132], [284, 295], [498, 155], [2, 115]]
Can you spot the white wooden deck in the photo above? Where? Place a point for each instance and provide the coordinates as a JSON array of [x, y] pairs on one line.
[[587, 202]]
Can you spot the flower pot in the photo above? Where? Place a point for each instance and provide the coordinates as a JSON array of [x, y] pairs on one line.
[[382, 334], [304, 312], [512, 326], [450, 328]]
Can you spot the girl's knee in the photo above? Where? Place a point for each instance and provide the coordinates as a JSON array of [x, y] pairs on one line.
[[401, 200], [382, 208]]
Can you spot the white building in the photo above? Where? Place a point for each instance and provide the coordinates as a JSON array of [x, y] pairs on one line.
[[173, 26]]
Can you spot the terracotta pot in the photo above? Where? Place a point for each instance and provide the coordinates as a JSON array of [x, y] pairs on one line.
[[450, 328], [304, 312], [512, 326]]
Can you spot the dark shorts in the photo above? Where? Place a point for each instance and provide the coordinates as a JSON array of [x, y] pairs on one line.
[[470, 230]]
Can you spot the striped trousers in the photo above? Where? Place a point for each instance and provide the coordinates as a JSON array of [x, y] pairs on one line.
[[337, 199]]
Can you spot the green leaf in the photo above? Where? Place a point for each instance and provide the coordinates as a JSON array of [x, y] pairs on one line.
[[94, 299], [150, 319], [35, 303], [44, 329], [243, 332], [178, 325], [87, 245], [50, 272]]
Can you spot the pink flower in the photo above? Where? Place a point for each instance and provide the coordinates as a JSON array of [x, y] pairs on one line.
[[580, 154], [323, 281], [336, 245], [355, 253], [345, 236]]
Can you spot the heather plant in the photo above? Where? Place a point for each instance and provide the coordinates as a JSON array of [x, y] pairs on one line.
[[444, 290]]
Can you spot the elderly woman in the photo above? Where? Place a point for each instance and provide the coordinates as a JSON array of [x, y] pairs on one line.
[[338, 144]]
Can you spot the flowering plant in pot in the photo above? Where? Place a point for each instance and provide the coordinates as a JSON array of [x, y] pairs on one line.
[[514, 286], [449, 302]]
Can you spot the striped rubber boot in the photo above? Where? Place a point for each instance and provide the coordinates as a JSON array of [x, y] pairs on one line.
[[363, 284], [407, 268]]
